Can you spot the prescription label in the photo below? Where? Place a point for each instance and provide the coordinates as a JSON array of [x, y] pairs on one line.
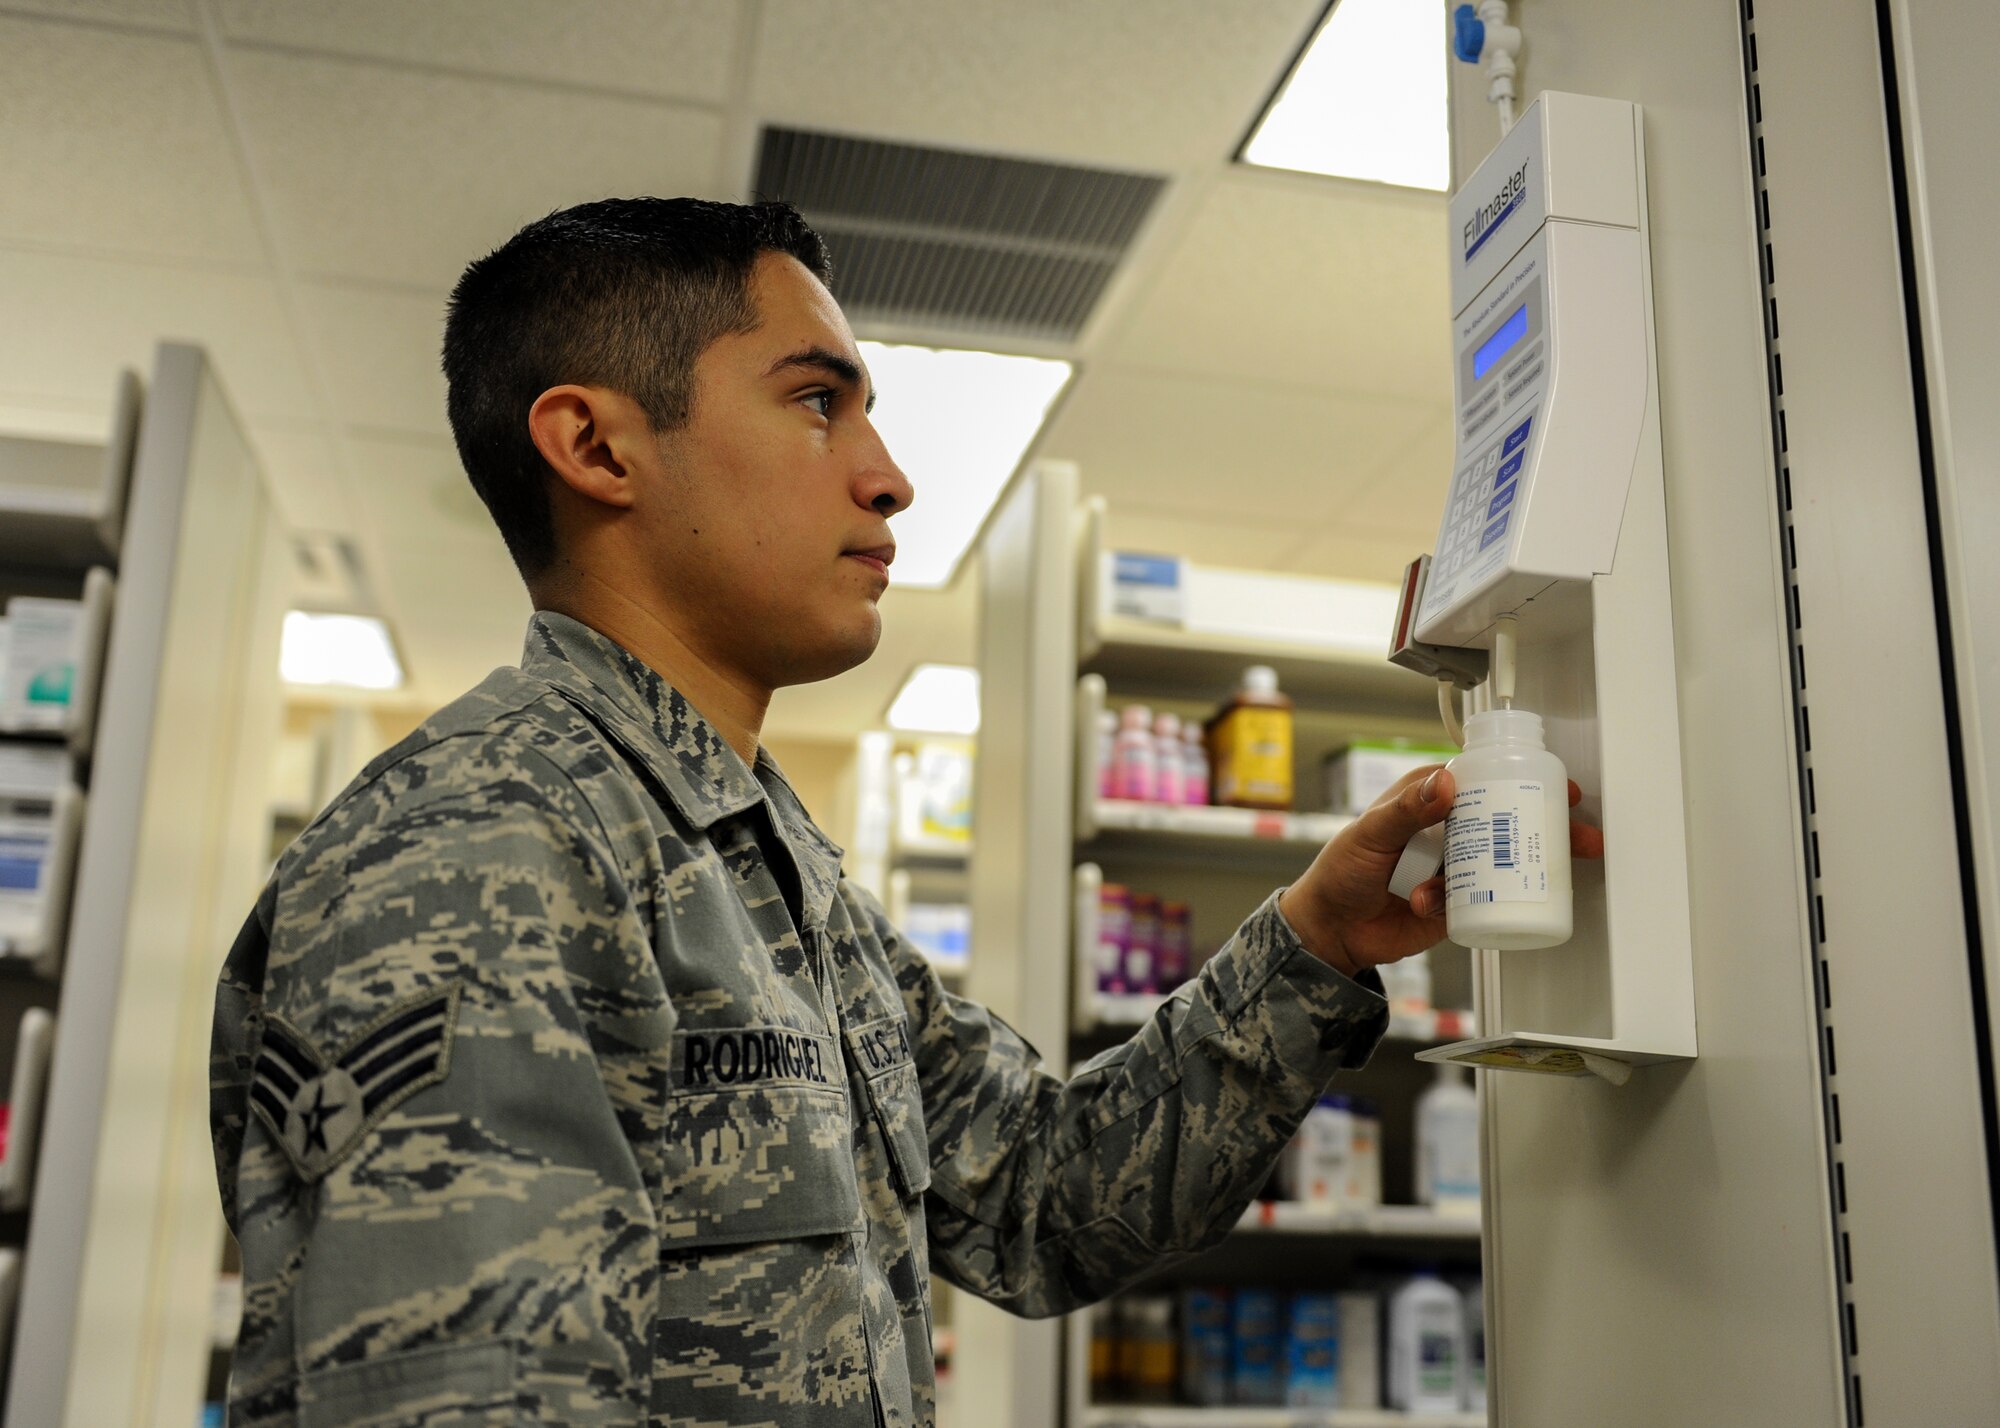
[[1496, 844]]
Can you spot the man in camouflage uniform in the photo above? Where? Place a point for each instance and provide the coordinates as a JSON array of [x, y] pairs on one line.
[[559, 1077]]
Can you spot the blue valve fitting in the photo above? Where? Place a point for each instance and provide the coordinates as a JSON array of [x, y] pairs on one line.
[[1468, 34]]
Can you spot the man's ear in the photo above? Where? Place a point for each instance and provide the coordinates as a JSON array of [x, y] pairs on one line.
[[588, 435]]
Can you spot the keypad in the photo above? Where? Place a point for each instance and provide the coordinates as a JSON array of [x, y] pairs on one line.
[[1482, 499]]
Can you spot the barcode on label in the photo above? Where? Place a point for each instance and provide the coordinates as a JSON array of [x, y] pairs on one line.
[[1485, 896], [1505, 836]]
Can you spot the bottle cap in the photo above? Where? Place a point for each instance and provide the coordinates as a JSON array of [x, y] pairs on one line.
[[1419, 863], [1260, 679]]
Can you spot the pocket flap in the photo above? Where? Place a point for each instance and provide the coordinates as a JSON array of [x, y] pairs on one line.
[[880, 1051], [438, 1383], [759, 1161]]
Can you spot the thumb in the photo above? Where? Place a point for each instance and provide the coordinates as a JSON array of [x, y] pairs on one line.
[[1421, 799]]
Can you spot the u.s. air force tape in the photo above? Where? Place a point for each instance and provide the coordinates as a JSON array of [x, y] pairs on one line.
[[879, 1046], [754, 1056]]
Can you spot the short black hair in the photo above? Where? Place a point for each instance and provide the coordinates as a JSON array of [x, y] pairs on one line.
[[623, 293]]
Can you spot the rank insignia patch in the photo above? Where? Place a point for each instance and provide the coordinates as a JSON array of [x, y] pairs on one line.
[[318, 1106]]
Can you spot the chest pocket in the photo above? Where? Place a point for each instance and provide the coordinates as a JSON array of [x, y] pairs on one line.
[[758, 1144], [880, 1054]]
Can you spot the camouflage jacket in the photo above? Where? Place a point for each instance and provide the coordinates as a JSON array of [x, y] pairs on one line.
[[559, 1078]]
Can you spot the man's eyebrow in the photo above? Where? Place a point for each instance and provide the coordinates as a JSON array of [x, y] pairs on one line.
[[823, 359]]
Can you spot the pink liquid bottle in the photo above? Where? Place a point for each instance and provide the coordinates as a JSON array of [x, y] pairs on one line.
[[1168, 782], [1194, 766], [1134, 759]]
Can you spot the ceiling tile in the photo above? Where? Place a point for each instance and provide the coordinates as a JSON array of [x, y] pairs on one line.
[[381, 352], [389, 175], [91, 316], [116, 141], [1208, 445], [1302, 280], [681, 50], [1348, 553], [153, 14], [302, 467], [1148, 84], [1408, 492]]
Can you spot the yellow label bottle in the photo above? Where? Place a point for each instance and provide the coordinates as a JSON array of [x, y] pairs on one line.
[[1250, 744]]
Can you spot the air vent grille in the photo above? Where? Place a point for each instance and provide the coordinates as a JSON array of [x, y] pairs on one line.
[[955, 242]]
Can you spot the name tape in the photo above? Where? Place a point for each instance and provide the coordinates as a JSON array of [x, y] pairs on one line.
[[759, 1055]]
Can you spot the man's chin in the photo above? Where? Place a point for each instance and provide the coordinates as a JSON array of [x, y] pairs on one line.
[[836, 652]]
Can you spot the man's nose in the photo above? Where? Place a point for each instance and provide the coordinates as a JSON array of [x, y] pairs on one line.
[[881, 485]]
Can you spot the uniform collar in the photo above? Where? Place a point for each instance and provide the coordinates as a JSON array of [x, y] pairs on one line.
[[703, 777], [706, 780]]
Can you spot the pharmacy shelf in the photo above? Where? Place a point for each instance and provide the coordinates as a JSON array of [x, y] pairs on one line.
[[46, 825], [1240, 836], [25, 1089], [1314, 665], [1111, 1415], [1383, 1222], [1207, 831], [931, 852], [62, 504], [76, 721]]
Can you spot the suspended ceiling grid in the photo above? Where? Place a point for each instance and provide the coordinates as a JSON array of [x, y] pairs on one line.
[[297, 185]]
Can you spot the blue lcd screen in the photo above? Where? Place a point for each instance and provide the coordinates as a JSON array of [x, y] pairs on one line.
[[1495, 347]]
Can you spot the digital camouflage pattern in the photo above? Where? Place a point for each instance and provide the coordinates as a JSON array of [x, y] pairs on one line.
[[559, 1079]]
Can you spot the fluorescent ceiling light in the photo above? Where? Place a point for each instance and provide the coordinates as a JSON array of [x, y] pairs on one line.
[[937, 699], [958, 423], [350, 650], [1366, 99]]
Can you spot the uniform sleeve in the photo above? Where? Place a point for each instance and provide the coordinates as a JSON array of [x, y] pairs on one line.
[[1048, 1195], [438, 1177]]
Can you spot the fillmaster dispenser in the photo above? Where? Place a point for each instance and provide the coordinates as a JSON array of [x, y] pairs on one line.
[[1555, 533]]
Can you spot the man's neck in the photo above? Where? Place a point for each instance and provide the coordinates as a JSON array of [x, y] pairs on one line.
[[733, 705]]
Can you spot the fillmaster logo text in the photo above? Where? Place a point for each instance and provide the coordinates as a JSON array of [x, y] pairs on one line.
[[1488, 217]]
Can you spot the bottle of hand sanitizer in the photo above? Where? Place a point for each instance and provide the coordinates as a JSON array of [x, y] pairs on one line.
[[1506, 860]]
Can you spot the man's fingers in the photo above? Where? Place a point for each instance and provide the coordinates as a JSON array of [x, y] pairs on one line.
[[1427, 898], [1575, 794], [1420, 799], [1585, 841]]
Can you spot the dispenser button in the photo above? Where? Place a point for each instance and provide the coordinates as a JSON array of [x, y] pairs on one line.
[[1517, 438]]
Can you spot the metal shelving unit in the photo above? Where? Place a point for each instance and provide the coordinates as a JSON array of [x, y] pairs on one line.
[[1051, 655], [119, 1234]]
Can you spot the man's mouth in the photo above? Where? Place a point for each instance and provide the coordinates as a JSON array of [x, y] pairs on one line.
[[876, 558]]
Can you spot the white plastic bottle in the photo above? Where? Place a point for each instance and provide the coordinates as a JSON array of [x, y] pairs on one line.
[[1134, 769], [1426, 1346], [1321, 1171], [1168, 778], [1194, 766], [1364, 1157], [1506, 862], [1448, 1145]]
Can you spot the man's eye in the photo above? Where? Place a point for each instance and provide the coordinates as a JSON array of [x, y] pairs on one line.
[[824, 402]]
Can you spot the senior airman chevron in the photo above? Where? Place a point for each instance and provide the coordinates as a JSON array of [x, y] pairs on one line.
[[318, 1106]]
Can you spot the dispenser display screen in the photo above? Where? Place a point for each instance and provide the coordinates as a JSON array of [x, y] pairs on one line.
[[1497, 346]]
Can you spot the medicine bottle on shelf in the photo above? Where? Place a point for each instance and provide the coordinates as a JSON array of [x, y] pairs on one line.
[[1250, 744], [1506, 856]]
